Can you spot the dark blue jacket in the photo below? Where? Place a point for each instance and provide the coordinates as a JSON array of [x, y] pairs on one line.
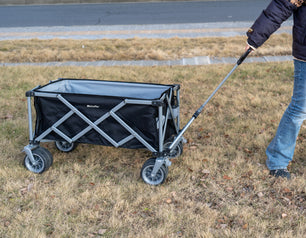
[[271, 19]]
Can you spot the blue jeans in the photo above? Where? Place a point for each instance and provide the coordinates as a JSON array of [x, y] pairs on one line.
[[280, 151]]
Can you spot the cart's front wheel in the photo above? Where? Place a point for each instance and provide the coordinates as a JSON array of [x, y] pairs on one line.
[[65, 146], [146, 173], [42, 160]]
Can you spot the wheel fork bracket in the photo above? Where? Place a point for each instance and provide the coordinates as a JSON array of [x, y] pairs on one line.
[[159, 163], [28, 150]]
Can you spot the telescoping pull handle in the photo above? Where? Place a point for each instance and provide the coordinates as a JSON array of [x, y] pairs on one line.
[[243, 57], [197, 113], [239, 61]]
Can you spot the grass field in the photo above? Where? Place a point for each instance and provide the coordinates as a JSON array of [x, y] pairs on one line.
[[219, 187], [135, 49]]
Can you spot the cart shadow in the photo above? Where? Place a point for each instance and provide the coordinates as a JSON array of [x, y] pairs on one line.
[[112, 162]]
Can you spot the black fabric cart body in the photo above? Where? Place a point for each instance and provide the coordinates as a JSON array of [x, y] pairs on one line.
[[119, 114]]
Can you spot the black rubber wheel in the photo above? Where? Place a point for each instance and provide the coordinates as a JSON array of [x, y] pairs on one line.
[[43, 159], [48, 156], [65, 146], [146, 172]]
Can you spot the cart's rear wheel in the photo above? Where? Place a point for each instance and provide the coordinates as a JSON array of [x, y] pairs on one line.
[[146, 173], [65, 146], [43, 160], [177, 150]]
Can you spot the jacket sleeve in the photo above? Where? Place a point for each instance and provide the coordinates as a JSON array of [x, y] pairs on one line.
[[269, 21]]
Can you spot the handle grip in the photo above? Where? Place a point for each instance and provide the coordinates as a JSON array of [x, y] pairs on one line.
[[243, 57]]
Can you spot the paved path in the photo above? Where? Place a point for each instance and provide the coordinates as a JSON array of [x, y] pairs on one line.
[[220, 29]]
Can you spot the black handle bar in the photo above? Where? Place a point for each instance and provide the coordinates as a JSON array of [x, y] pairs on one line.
[[243, 57]]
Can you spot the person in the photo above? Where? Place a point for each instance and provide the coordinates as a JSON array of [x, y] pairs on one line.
[[281, 149]]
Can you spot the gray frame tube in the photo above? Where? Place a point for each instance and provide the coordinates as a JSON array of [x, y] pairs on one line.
[[178, 105], [31, 136], [160, 129]]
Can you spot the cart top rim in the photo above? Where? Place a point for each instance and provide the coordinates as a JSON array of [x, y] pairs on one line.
[[106, 88]]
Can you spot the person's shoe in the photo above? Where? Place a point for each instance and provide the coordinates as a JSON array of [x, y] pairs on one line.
[[284, 173]]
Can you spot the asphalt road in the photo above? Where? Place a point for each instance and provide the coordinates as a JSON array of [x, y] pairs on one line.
[[130, 13]]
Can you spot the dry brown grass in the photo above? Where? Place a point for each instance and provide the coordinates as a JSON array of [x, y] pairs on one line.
[[219, 187], [134, 49]]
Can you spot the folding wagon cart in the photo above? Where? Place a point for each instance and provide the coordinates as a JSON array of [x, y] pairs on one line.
[[119, 114]]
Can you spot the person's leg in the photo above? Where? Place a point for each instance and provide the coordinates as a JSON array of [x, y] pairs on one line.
[[280, 151]]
